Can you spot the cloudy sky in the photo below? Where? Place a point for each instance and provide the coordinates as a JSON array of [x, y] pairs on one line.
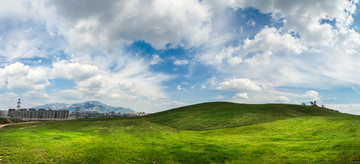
[[157, 54]]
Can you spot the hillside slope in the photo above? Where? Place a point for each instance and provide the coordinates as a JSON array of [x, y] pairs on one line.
[[215, 115], [269, 133]]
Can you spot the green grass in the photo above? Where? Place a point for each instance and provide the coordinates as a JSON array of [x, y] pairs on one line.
[[203, 133], [217, 115]]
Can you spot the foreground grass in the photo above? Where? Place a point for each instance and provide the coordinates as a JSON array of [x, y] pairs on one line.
[[328, 138]]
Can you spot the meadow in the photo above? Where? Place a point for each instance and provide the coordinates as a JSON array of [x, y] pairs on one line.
[[202, 133]]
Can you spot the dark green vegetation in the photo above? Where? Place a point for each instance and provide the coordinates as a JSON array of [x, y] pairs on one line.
[[204, 133], [9, 120]]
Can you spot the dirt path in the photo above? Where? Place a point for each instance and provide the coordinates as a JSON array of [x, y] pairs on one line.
[[3, 125]]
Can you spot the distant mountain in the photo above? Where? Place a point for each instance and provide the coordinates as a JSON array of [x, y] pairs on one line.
[[54, 106], [86, 106]]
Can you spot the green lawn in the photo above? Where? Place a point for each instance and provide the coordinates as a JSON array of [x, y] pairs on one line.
[[204, 133]]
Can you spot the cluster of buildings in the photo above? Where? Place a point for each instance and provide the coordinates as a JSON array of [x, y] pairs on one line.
[[92, 114], [41, 114], [2, 113], [49, 114]]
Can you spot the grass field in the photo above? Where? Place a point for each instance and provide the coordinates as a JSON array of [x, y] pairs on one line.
[[203, 133]]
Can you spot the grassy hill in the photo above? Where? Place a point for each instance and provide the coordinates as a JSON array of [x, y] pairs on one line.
[[202, 133], [216, 115]]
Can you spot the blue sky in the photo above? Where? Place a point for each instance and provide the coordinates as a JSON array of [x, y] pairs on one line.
[[156, 55]]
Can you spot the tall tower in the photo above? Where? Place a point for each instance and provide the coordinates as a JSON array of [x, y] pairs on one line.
[[18, 105]]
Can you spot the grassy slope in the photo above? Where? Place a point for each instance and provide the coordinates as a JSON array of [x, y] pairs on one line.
[[217, 115], [320, 136]]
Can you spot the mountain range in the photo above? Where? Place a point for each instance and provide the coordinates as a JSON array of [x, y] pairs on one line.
[[85, 106]]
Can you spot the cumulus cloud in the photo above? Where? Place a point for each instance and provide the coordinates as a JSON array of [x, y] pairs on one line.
[[178, 87], [304, 17], [20, 76], [181, 62], [239, 85], [312, 95], [271, 39], [158, 22], [156, 59], [126, 83], [74, 71], [8, 96], [325, 51], [259, 59], [241, 96], [283, 99]]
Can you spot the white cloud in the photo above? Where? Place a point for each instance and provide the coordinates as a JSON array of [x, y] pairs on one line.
[[304, 17], [74, 71], [229, 53], [203, 86], [312, 95], [158, 22], [15, 9], [8, 96], [178, 87], [326, 52], [20, 48], [283, 99], [23, 42], [259, 59], [20, 76], [234, 60], [35, 95], [241, 96], [239, 85], [2, 78], [181, 62], [134, 80], [271, 39], [156, 59], [345, 108]]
